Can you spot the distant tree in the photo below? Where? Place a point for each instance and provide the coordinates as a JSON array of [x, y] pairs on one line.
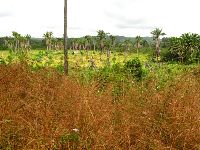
[[28, 44], [138, 41], [16, 40], [108, 46], [102, 37], [185, 48], [165, 42], [48, 39], [9, 42], [60, 42], [87, 43], [145, 43], [127, 44], [81, 43], [94, 42], [54, 43], [156, 36], [76, 44], [22, 42], [176, 51], [113, 40]]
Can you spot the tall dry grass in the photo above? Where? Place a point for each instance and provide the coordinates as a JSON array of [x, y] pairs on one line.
[[45, 110]]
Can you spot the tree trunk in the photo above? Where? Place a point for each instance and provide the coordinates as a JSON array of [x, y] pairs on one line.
[[157, 48], [94, 47], [108, 57], [65, 39]]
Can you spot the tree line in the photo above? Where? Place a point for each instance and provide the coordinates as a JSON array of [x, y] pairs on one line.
[[185, 48]]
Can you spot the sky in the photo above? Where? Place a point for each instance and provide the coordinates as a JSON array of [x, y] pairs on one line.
[[85, 17]]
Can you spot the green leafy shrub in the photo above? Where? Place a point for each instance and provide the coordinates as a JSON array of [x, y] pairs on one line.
[[2, 61], [134, 67]]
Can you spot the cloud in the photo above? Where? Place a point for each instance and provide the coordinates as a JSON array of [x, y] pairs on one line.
[[127, 17], [134, 26], [124, 21], [75, 28], [5, 14]]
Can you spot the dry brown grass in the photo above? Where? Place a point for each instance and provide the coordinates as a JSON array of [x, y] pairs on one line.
[[40, 110]]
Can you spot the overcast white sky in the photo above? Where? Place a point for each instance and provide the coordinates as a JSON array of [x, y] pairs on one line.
[[118, 17]]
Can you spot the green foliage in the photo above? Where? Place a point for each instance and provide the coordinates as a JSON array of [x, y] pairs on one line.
[[185, 49], [134, 67], [11, 140], [2, 45], [157, 33], [10, 58], [70, 140], [2, 61]]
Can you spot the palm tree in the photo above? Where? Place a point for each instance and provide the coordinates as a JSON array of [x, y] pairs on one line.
[[156, 36], [138, 40], [145, 43], [127, 43], [48, 39], [54, 44], [22, 42], [87, 43], [101, 36], [76, 44], [65, 39], [27, 44], [16, 39], [113, 39], [60, 43], [108, 45], [94, 41], [9, 42]]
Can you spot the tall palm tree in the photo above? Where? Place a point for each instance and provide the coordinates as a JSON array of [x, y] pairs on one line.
[[156, 36], [65, 39], [138, 40]]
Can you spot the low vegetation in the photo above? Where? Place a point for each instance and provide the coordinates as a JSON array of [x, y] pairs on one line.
[[119, 93], [46, 110]]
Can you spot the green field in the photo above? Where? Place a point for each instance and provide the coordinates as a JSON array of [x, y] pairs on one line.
[[80, 57], [80, 64]]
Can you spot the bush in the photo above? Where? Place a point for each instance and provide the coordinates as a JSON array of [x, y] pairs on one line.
[[134, 67], [167, 55]]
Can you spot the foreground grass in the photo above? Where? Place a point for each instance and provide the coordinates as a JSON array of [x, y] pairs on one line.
[[45, 110]]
